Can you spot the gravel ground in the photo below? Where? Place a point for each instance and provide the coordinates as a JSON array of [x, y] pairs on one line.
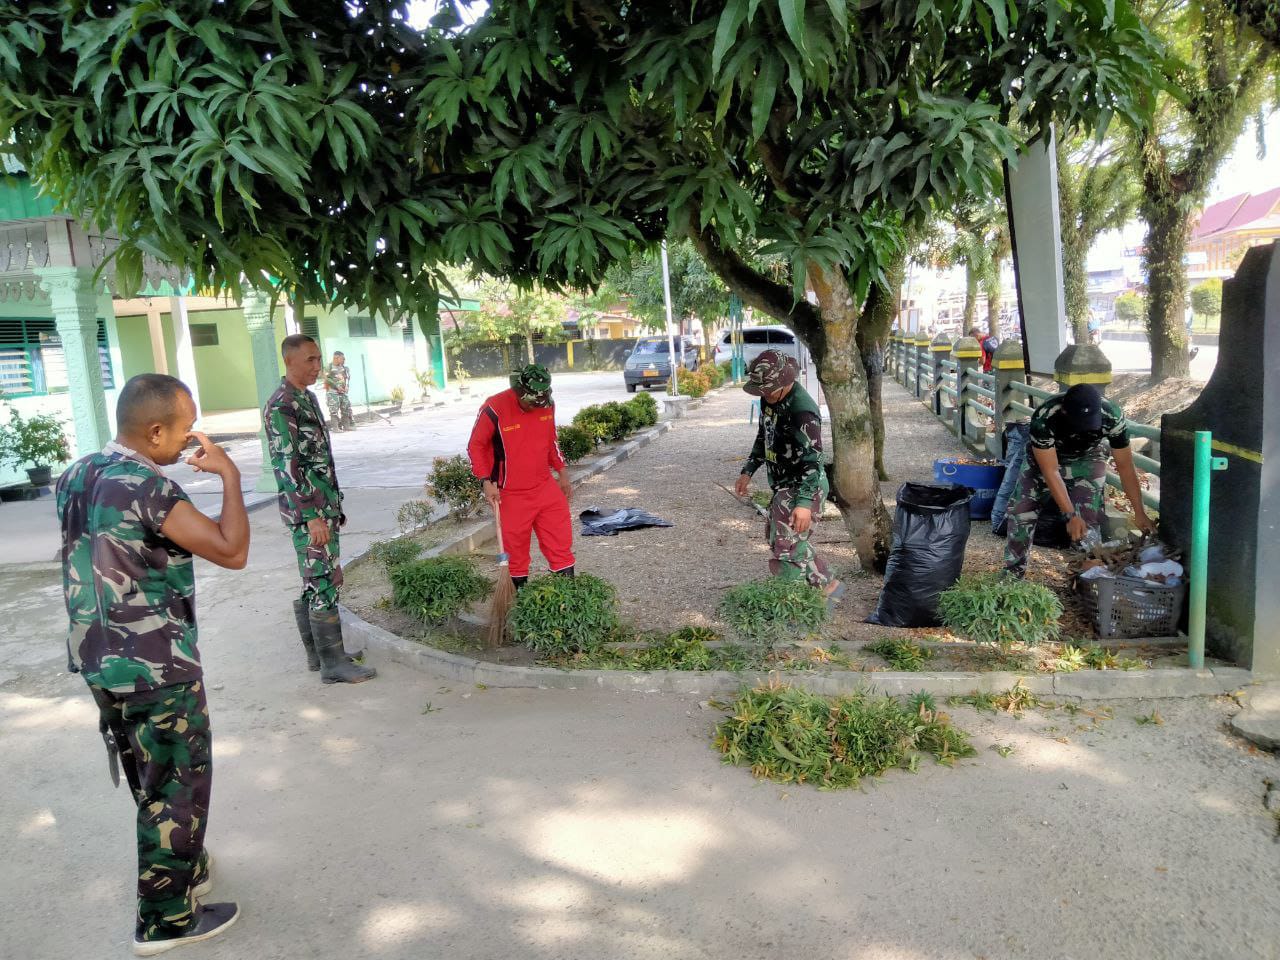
[[669, 577]]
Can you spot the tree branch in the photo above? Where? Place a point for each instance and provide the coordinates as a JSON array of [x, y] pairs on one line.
[[755, 289]]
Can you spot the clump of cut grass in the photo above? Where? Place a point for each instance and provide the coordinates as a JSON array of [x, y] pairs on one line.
[[991, 608], [900, 653], [392, 553], [1014, 700], [792, 736], [766, 611]]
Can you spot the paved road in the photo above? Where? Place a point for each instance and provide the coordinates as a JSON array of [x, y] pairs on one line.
[[1135, 357], [381, 454]]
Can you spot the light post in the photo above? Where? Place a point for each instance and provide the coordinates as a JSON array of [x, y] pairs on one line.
[[671, 339]]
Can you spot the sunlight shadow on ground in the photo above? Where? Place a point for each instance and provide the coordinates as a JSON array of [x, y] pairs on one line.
[[314, 714], [38, 822], [393, 924], [626, 847], [226, 747], [35, 712]]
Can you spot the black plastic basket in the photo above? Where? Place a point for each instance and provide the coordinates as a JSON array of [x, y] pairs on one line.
[[1124, 607]]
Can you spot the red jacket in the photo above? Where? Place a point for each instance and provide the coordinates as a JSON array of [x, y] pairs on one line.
[[515, 449]]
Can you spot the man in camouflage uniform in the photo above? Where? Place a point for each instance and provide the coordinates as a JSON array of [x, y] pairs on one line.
[[789, 445], [337, 392], [311, 508], [1069, 464], [128, 535]]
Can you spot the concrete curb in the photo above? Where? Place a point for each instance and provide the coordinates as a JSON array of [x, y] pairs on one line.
[[1094, 685]]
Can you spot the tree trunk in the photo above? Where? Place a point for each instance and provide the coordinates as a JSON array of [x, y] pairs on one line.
[[970, 298], [995, 294], [874, 324], [844, 384], [1168, 228], [528, 343]]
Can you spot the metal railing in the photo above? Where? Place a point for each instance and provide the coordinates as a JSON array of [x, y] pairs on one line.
[[968, 401]]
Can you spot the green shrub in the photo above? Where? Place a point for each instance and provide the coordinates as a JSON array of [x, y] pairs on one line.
[[392, 553], [435, 589], [413, 514], [765, 611], [575, 443], [620, 419], [726, 371], [900, 654], [452, 482], [686, 649], [990, 608], [693, 383], [603, 421], [793, 736], [557, 615], [644, 410]]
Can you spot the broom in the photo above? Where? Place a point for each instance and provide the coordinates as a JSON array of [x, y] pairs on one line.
[[504, 591]]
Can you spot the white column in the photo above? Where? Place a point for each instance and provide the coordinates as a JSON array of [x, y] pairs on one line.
[[75, 310], [182, 348], [155, 328]]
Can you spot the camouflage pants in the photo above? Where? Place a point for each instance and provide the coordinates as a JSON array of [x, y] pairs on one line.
[[320, 568], [1084, 480], [163, 740], [793, 555], [339, 409]]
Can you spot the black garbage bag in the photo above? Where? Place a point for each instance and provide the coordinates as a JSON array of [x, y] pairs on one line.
[[607, 523], [930, 530]]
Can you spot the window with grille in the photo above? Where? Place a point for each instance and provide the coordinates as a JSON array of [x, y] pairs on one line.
[[204, 334], [311, 327], [32, 361], [361, 327]]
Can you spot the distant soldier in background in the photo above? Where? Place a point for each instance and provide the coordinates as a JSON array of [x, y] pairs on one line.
[[128, 534], [337, 392], [311, 508], [789, 444]]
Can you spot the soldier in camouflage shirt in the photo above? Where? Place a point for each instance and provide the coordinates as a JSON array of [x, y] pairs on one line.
[[337, 392], [789, 445], [1071, 437], [128, 535], [311, 508]]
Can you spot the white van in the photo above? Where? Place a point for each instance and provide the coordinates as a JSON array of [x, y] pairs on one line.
[[756, 340]]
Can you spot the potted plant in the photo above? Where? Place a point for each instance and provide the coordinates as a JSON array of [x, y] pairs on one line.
[[461, 375], [38, 441], [397, 397]]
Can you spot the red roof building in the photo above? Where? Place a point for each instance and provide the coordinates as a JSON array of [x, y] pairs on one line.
[[1230, 227]]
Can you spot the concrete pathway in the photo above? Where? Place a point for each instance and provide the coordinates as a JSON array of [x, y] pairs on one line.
[[412, 818]]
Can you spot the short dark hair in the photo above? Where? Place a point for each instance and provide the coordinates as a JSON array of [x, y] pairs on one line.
[[339, 353], [146, 399], [293, 342]]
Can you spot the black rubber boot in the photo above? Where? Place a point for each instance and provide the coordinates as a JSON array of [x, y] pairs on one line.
[[303, 617], [566, 572], [519, 581], [335, 665]]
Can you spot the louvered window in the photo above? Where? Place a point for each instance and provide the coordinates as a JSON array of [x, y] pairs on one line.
[[32, 361]]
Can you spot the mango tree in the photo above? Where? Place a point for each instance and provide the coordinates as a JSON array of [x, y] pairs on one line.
[[332, 146]]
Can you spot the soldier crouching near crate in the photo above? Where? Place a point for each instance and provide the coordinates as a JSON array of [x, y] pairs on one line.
[[789, 445], [311, 508], [1068, 462]]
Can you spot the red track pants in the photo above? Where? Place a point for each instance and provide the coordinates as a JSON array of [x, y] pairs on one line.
[[544, 511]]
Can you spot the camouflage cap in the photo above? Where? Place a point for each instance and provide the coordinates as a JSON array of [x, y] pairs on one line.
[[772, 370], [533, 385]]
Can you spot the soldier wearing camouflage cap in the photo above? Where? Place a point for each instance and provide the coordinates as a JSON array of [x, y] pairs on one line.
[[128, 536], [514, 452], [311, 509], [789, 445]]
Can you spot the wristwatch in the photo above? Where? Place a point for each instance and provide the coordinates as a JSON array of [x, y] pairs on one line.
[[1072, 515]]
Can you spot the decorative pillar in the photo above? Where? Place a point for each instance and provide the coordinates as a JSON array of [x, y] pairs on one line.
[[920, 354], [967, 353], [939, 350], [75, 310], [1082, 363], [182, 348], [1009, 366], [266, 371]]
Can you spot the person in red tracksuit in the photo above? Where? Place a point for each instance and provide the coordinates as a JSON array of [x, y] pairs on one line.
[[513, 450]]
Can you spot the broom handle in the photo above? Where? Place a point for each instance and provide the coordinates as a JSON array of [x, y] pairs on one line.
[[497, 522]]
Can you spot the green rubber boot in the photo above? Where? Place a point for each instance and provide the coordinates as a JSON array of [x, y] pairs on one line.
[[335, 665]]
